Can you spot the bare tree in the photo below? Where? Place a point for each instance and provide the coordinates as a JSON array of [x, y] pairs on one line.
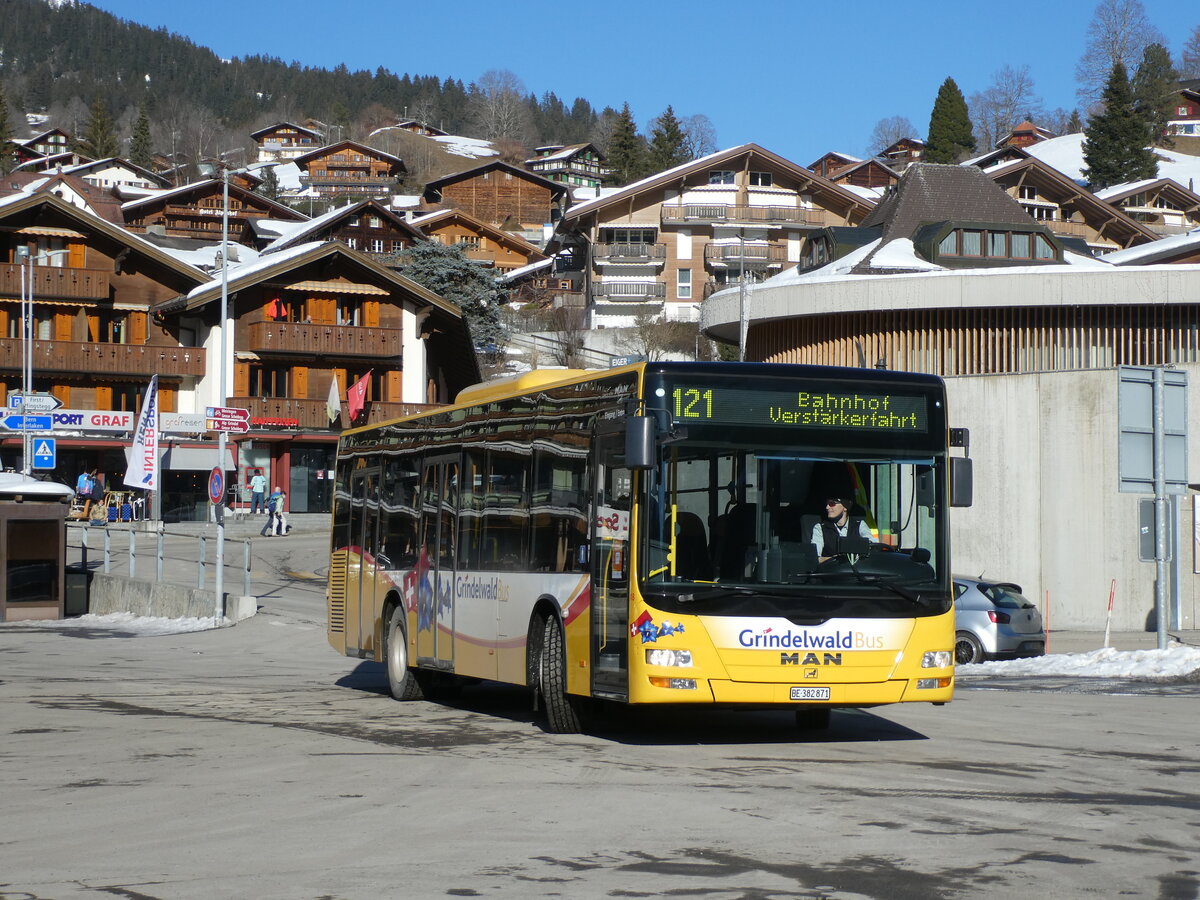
[[602, 133], [1058, 121], [1008, 100], [654, 337], [1119, 31], [1189, 60], [498, 107], [887, 132], [699, 136]]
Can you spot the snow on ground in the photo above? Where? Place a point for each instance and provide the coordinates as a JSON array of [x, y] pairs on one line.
[[1066, 154], [1176, 661], [125, 623], [472, 148]]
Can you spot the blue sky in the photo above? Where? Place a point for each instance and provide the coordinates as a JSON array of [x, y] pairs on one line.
[[798, 78]]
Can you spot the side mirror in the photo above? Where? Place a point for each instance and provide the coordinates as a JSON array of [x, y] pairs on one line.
[[639, 442], [962, 481]]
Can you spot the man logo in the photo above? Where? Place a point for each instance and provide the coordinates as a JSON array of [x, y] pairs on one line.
[[810, 659], [810, 673]]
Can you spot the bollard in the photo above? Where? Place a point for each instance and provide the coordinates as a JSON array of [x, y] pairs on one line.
[[200, 563], [132, 554], [107, 551], [246, 568], [83, 533], [158, 564]]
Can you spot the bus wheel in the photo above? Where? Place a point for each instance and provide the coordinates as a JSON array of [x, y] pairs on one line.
[[812, 718], [402, 680], [562, 714]]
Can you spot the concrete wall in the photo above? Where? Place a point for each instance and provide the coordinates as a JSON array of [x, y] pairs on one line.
[[1047, 513], [118, 593]]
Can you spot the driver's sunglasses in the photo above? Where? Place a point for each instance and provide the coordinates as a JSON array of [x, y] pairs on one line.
[[833, 502]]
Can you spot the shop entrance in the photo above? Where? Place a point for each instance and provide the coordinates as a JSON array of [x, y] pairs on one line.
[[310, 487]]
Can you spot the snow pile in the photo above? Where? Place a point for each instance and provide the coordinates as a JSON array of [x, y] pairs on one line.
[[126, 623], [1177, 661]]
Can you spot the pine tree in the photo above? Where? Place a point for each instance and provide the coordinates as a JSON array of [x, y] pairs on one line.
[[1153, 86], [1114, 143], [950, 137], [141, 151], [99, 139], [1074, 124], [626, 150], [270, 184], [7, 160], [668, 143], [448, 273]]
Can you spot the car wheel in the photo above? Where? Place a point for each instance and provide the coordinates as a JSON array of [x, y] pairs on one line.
[[967, 649], [402, 680]]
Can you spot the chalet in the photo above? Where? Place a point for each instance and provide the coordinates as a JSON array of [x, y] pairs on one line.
[[414, 126], [1162, 205], [660, 245], [484, 244], [285, 141], [310, 321], [1025, 134], [367, 226], [349, 169], [114, 172], [1185, 113], [903, 153], [195, 211], [48, 143], [581, 165], [96, 341], [870, 173], [71, 188], [1069, 210], [1175, 250], [832, 162], [502, 195]]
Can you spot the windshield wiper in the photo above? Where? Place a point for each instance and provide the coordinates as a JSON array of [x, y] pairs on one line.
[[719, 591]]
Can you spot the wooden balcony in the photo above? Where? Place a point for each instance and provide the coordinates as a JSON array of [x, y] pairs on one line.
[[748, 254], [287, 412], [630, 253], [749, 215], [324, 340], [629, 290], [53, 283], [90, 358]]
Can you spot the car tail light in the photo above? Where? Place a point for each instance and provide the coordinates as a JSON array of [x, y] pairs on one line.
[[999, 618]]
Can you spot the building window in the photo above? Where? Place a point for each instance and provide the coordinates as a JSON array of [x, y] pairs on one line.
[[972, 243], [761, 179], [1027, 192], [683, 284], [1021, 246], [1043, 249], [470, 240], [377, 245], [997, 243], [720, 176], [949, 244], [397, 246], [352, 243]]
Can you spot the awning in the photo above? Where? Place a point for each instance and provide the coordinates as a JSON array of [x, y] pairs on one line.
[[335, 287], [245, 355], [51, 232], [189, 459]]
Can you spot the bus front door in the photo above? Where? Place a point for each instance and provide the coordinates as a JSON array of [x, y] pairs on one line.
[[435, 594], [612, 505], [364, 528]]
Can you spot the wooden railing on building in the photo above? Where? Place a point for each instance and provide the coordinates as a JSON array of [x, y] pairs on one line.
[[626, 252], [53, 283], [753, 254], [309, 415], [987, 341], [328, 340], [716, 212], [629, 290], [92, 358]]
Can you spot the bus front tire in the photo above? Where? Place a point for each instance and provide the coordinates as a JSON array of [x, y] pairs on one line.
[[402, 681], [562, 714]]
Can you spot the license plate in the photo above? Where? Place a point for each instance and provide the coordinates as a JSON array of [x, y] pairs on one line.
[[810, 693]]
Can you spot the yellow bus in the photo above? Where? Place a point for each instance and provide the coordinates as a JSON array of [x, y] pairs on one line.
[[653, 534]]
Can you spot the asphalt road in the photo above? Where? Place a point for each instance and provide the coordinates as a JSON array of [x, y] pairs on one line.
[[253, 761]]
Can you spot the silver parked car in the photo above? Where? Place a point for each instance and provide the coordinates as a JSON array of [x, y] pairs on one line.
[[993, 621]]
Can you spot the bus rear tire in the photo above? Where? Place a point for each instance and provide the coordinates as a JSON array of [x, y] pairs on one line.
[[813, 718], [402, 681], [562, 712]]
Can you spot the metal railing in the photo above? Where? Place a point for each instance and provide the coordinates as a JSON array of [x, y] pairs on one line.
[[716, 212], [83, 546]]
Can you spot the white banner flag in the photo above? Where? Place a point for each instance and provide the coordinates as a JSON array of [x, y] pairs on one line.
[[333, 405], [143, 460]]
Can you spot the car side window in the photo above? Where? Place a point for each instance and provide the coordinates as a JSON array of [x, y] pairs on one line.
[[959, 590]]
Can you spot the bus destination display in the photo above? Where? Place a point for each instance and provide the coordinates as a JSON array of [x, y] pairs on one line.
[[815, 407]]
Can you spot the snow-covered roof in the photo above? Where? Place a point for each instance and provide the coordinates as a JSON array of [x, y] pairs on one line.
[[901, 254], [205, 258], [514, 274], [248, 270], [1162, 247], [1105, 193], [301, 228]]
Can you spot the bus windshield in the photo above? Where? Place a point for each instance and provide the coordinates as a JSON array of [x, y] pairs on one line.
[[722, 520]]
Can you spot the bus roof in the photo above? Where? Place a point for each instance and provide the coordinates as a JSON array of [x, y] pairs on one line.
[[498, 388]]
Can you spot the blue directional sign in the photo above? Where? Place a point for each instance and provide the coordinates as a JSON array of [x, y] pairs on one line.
[[27, 423], [45, 453]]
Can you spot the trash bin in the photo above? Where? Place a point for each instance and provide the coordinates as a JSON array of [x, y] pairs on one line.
[[75, 599]]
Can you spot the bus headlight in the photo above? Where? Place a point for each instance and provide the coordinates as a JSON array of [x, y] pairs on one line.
[[936, 659], [660, 657]]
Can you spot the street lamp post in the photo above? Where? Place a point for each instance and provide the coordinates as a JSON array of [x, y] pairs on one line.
[[26, 276]]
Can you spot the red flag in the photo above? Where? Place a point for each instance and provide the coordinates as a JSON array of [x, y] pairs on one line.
[[356, 396]]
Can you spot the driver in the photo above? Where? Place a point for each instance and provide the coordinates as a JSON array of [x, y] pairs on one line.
[[837, 524]]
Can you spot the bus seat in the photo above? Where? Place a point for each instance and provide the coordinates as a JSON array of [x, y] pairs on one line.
[[691, 547], [733, 535]]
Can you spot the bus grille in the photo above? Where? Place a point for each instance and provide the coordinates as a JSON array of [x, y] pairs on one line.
[[337, 592]]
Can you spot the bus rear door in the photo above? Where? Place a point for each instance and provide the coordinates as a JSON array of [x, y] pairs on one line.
[[439, 530], [612, 509]]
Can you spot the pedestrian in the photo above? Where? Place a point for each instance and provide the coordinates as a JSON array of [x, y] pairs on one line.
[[83, 490], [281, 525], [258, 488], [274, 510]]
